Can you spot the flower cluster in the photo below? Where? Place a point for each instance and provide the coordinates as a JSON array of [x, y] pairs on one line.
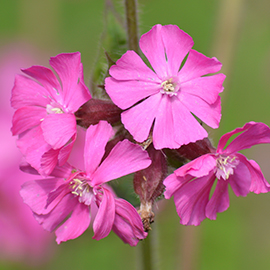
[[155, 112]]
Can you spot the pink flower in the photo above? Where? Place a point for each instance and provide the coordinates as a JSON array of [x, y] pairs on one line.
[[44, 117], [63, 203], [168, 94], [191, 184]]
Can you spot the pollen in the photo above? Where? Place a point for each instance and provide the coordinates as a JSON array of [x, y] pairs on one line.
[[170, 87], [82, 190], [226, 166]]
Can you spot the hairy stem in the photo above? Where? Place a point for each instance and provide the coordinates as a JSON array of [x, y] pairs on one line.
[[132, 25]]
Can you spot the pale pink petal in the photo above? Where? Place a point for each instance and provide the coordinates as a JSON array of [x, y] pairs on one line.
[[207, 88], [240, 180], [96, 139], [105, 216], [258, 182], [35, 193], [127, 223], [124, 158], [139, 119], [126, 93], [58, 129], [252, 133], [198, 167], [56, 217], [131, 67], [192, 198], [219, 201], [151, 44], [47, 78], [27, 92], [27, 117], [210, 114], [177, 44], [76, 224], [198, 65]]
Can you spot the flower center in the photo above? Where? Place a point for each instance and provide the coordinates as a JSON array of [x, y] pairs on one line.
[[170, 87], [226, 166], [54, 109], [81, 189]]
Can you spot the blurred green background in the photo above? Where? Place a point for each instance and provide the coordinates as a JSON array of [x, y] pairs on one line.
[[237, 32]]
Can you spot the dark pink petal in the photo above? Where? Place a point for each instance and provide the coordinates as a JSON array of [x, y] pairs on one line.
[[27, 117], [198, 65], [35, 193], [210, 114], [27, 92], [126, 93], [198, 167], [69, 68], [258, 182], [124, 158], [58, 129], [131, 67], [139, 119], [127, 223], [151, 44], [65, 151], [240, 180], [76, 224], [96, 139], [252, 133], [207, 88], [177, 44], [173, 183], [192, 198], [47, 78], [219, 201], [56, 217], [48, 161], [105, 216]]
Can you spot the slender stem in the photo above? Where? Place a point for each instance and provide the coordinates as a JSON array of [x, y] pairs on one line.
[[132, 24], [146, 249]]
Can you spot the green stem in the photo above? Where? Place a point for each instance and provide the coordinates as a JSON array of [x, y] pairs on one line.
[[147, 252], [132, 25]]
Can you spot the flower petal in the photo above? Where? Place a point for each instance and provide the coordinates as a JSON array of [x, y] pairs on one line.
[[58, 129], [76, 224], [177, 44], [192, 198], [210, 114], [124, 158], [96, 139], [207, 88], [127, 223], [69, 69], [131, 67], [198, 65], [252, 133], [27, 117], [27, 92], [35, 193], [126, 93], [139, 119], [105, 216], [258, 182], [240, 180], [219, 201]]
